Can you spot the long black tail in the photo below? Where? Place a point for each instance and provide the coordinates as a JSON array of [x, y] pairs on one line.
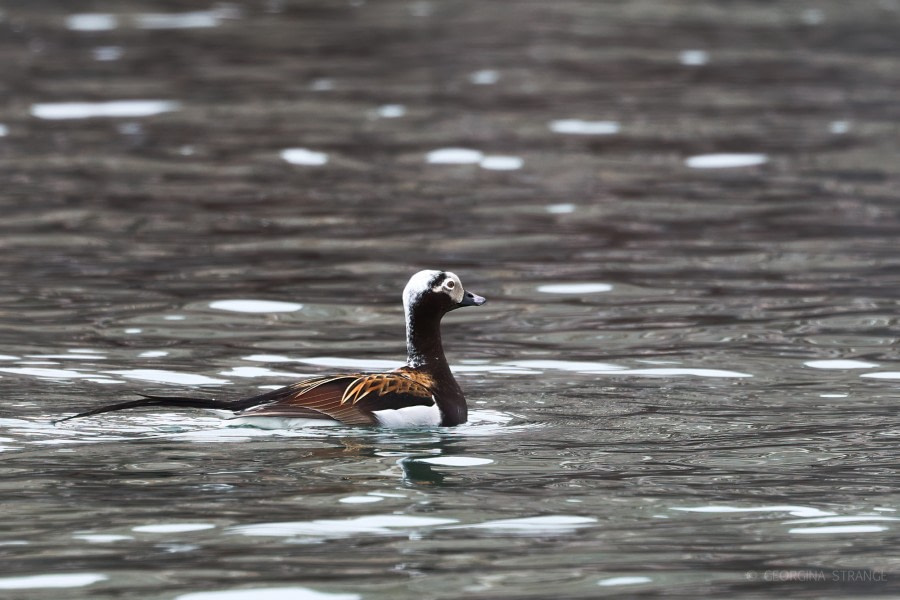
[[176, 401]]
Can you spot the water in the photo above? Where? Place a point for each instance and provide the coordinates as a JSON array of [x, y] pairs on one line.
[[683, 384]]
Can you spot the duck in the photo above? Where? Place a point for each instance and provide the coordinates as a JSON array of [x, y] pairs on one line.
[[422, 393]]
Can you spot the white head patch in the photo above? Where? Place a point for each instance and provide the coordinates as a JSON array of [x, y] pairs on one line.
[[451, 286], [422, 281]]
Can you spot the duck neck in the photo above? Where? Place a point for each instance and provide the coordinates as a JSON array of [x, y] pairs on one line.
[[423, 342]]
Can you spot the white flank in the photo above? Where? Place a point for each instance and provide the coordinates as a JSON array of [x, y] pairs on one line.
[[410, 416]]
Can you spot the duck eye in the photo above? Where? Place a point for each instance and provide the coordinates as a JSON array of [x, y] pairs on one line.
[[450, 284]]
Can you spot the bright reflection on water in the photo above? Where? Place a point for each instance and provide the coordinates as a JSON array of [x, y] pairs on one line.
[[580, 127], [268, 593], [391, 111], [725, 161], [684, 219], [693, 58], [255, 306], [71, 580], [92, 22], [304, 156], [501, 163], [115, 109], [454, 156]]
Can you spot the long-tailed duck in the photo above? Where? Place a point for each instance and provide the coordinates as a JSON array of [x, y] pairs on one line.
[[423, 393]]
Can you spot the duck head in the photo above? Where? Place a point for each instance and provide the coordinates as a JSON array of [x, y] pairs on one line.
[[437, 293]]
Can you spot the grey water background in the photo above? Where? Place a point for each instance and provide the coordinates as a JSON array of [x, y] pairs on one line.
[[684, 382]]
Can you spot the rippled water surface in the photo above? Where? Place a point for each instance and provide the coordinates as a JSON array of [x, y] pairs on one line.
[[685, 219]]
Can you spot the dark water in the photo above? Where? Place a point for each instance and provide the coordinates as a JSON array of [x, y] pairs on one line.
[[684, 383]]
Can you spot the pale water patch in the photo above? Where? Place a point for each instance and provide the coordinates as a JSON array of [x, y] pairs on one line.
[[725, 161], [391, 111], [272, 593], [279, 423], [112, 109], [489, 369], [258, 372], [67, 580], [693, 58], [304, 156], [173, 527], [256, 306], [560, 209], [92, 22], [797, 511], [360, 499], [4, 130], [454, 156], [185, 20], [675, 372], [843, 519], [532, 525], [130, 128], [487, 423], [579, 127], [70, 356], [47, 373], [839, 364], [153, 354], [575, 288], [566, 365], [882, 375], [501, 163], [485, 77], [839, 127], [625, 580], [421, 9], [271, 358], [99, 538], [322, 85], [223, 435], [336, 528], [812, 16], [162, 376], [837, 529], [456, 461], [331, 361], [107, 53]]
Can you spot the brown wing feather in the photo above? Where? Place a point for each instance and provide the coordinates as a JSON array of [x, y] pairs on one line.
[[349, 399], [381, 384]]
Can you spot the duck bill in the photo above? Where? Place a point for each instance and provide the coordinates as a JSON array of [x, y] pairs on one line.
[[470, 299]]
